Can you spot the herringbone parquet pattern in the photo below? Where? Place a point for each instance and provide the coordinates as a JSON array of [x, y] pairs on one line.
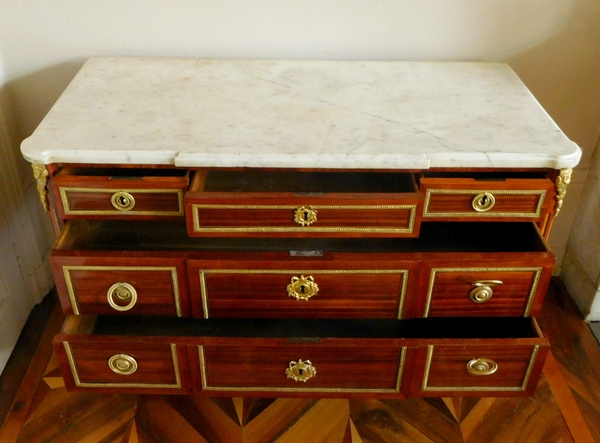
[[58, 416]]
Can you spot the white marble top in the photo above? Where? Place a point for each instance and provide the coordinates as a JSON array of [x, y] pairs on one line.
[[306, 114]]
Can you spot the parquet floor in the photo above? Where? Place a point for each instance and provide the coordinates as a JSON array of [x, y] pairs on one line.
[[564, 408]]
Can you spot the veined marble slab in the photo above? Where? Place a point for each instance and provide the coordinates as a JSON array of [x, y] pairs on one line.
[[305, 114]]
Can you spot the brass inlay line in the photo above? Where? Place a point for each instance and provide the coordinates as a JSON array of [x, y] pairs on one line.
[[206, 387], [71, 289], [401, 298], [409, 229], [79, 383], [69, 211], [536, 278], [522, 387], [538, 210]]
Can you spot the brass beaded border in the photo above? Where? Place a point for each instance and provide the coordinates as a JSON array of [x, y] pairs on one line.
[[68, 211], [523, 386], [79, 383], [205, 387], [536, 214], [408, 230], [536, 279], [404, 272], [71, 289]]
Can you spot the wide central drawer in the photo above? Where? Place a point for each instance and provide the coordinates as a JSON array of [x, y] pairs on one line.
[[300, 204], [338, 358]]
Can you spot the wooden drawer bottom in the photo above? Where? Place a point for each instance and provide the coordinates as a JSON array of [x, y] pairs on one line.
[[325, 358]]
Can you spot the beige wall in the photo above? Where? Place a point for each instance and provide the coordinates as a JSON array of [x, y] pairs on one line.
[[553, 45]]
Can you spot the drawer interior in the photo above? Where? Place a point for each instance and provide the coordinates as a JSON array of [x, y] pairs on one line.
[[300, 182], [123, 173], [115, 235], [313, 330]]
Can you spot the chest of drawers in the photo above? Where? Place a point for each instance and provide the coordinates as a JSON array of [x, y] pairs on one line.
[[300, 228]]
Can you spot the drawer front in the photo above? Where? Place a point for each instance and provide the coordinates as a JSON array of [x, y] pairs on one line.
[[301, 368], [304, 218], [302, 292], [485, 290], [121, 287], [480, 369], [467, 199], [118, 197], [124, 365]]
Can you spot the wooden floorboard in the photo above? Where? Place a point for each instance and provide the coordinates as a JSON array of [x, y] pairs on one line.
[[564, 408], [19, 360]]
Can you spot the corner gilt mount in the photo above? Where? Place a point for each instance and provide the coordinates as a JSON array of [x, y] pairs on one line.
[[40, 173]]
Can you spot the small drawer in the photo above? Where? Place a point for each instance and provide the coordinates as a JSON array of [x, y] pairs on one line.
[[124, 364], [484, 288], [302, 204], [93, 281], [280, 289], [115, 193], [525, 199], [480, 367]]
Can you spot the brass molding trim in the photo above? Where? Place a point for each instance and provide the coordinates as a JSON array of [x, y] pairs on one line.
[[206, 387], [562, 182], [71, 288], [81, 384], [40, 173], [292, 272], [536, 214], [536, 279], [522, 387], [68, 211], [409, 229]]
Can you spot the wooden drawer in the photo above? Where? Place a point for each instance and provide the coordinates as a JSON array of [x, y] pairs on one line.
[[308, 357], [487, 199], [349, 366], [486, 287], [312, 289], [272, 277], [119, 282], [115, 193], [302, 204], [120, 365], [479, 367]]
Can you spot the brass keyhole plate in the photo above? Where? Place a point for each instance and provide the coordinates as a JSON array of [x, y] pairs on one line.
[[305, 216], [302, 288], [300, 370], [123, 201], [483, 202]]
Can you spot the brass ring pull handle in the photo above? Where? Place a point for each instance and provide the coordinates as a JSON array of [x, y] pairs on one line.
[[122, 364], [482, 366], [305, 215], [301, 370], [302, 288], [483, 202], [123, 201], [121, 292], [483, 291]]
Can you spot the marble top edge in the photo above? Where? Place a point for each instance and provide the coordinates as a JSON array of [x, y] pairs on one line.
[[307, 114]]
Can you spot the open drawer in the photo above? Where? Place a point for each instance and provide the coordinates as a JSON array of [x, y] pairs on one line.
[[337, 358], [487, 196], [302, 204], [120, 193], [452, 269]]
